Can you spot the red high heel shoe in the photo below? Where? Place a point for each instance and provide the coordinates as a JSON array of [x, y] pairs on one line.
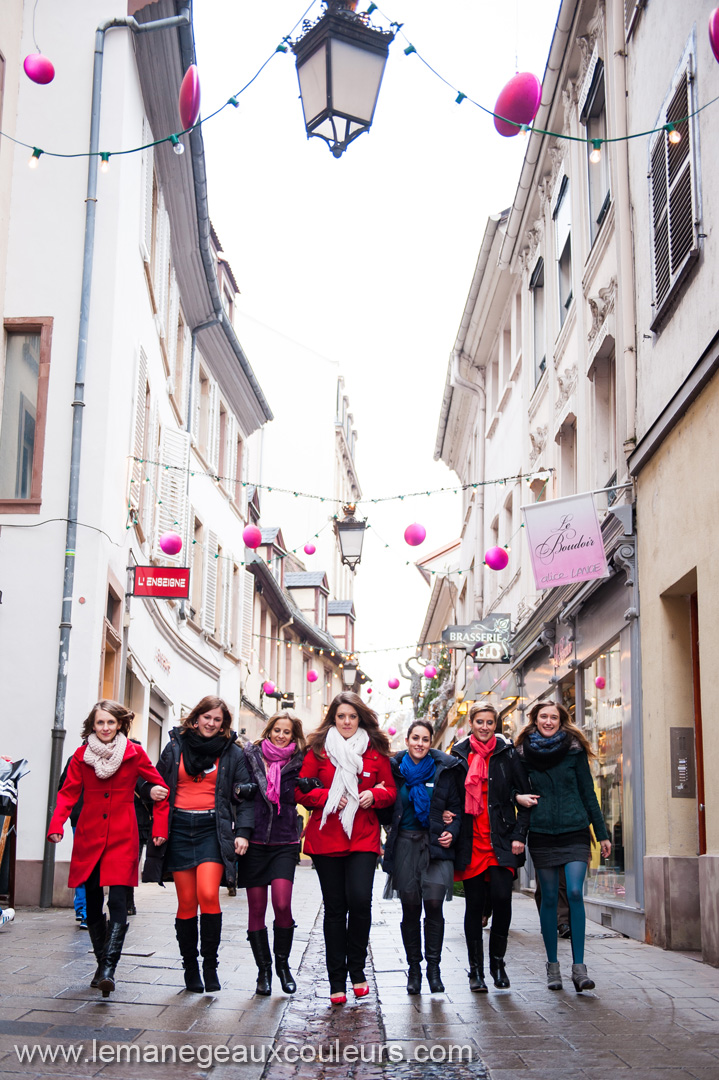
[[338, 999], [361, 991]]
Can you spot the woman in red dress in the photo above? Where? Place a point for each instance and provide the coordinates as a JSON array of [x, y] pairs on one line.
[[105, 771], [345, 777]]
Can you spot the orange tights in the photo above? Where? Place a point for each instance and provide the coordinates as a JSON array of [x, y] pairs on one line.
[[201, 885]]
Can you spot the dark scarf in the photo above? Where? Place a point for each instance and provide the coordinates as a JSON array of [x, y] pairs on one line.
[[417, 776], [542, 753], [200, 754]]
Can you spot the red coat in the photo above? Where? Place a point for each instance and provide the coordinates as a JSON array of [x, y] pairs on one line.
[[107, 827], [332, 839]]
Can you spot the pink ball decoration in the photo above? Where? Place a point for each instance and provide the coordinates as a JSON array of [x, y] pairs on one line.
[[252, 536], [430, 671], [496, 558], [600, 682], [714, 32], [518, 102], [171, 543], [309, 549], [393, 683], [460, 732], [39, 69], [415, 534], [189, 99], [391, 730], [369, 689], [268, 687], [312, 675]]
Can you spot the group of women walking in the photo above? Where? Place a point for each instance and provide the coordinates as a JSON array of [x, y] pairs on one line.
[[224, 814]]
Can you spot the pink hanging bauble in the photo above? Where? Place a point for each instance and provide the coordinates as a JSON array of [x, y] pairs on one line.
[[171, 543], [268, 688], [415, 534], [430, 671], [39, 69], [252, 536], [391, 730], [714, 32], [518, 102], [309, 549], [393, 683], [460, 732], [312, 675], [600, 682], [369, 689], [496, 558], [189, 99]]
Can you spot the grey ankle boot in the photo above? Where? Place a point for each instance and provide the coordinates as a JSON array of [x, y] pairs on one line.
[[554, 977], [580, 978]]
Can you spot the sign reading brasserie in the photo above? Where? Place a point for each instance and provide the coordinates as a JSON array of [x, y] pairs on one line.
[[565, 541], [493, 632]]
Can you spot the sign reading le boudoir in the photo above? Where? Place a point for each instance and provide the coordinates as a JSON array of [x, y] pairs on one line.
[[493, 633], [161, 581], [565, 541]]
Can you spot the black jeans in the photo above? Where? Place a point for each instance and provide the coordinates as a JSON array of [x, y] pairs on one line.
[[346, 882], [499, 888], [94, 897]]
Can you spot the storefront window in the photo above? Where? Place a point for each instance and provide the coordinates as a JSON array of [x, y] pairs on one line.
[[603, 728]]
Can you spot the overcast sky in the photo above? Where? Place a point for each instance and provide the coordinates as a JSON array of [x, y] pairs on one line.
[[366, 261]]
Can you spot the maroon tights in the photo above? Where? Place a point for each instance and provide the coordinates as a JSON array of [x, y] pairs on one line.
[[281, 904]]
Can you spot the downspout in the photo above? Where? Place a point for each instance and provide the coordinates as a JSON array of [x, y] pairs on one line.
[[78, 404]]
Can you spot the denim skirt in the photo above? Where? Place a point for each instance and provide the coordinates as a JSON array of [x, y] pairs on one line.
[[193, 840]]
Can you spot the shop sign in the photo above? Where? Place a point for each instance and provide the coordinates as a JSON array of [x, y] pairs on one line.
[[565, 541], [161, 581], [493, 633]]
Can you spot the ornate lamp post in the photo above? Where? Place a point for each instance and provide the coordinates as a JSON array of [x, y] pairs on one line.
[[349, 674], [350, 534], [340, 64]]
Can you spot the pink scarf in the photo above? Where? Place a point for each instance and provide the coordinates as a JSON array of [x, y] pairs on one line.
[[275, 756], [478, 774]]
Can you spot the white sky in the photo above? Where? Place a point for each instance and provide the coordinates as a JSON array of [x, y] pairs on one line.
[[367, 260]]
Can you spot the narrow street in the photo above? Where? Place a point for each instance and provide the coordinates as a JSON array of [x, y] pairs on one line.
[[655, 1014]]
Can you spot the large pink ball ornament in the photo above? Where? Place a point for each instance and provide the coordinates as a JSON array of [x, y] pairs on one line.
[[430, 672], [252, 536], [369, 689], [460, 732], [415, 534], [189, 99], [268, 688], [39, 69], [714, 32], [393, 684], [496, 558], [600, 682], [518, 103], [312, 675], [171, 543], [309, 549], [391, 730]]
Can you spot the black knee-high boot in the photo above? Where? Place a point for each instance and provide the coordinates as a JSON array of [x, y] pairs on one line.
[[412, 940], [497, 950], [260, 945], [475, 955], [186, 931], [282, 947], [98, 937], [210, 935], [111, 957], [433, 938]]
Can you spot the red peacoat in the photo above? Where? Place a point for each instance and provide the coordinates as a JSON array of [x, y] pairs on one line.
[[107, 827]]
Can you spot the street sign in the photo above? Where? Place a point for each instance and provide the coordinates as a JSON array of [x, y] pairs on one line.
[[162, 582], [493, 632]]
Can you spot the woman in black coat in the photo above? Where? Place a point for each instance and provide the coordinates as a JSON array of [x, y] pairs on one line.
[[419, 853], [492, 838], [201, 765]]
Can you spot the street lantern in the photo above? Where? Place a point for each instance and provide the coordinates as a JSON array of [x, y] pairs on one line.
[[340, 64], [350, 534], [349, 674]]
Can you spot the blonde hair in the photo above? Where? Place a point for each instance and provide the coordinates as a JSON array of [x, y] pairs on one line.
[[298, 735]]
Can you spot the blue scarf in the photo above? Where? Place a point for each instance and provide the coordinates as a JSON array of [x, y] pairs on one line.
[[544, 753], [417, 776]]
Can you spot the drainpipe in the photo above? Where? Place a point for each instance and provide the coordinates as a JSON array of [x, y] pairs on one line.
[[78, 404], [478, 390]]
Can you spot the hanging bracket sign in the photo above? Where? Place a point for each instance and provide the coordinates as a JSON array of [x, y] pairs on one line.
[[487, 639], [565, 541], [162, 582]]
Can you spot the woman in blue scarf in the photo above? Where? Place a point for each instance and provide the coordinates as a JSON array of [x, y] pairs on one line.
[[419, 852]]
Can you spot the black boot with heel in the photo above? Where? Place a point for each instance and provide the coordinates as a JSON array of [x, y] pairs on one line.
[[260, 945], [210, 935], [282, 947], [186, 931], [412, 940]]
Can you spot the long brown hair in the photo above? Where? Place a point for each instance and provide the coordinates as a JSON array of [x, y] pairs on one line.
[[565, 724], [207, 705], [367, 720], [122, 715], [298, 735]]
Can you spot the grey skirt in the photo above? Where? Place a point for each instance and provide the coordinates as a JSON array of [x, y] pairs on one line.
[[415, 876], [554, 850]]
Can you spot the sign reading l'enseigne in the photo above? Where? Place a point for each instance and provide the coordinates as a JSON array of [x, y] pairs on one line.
[[162, 582], [493, 633]]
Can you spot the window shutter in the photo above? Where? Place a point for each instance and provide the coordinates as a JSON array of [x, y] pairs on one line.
[[138, 438], [209, 585], [172, 489], [172, 324], [225, 627], [248, 599], [196, 403], [229, 467], [148, 158], [213, 428], [162, 263], [186, 360], [150, 470]]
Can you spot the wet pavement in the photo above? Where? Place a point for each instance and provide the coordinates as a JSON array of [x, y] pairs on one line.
[[654, 1014]]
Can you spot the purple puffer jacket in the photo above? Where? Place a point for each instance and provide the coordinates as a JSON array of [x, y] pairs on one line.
[[271, 827]]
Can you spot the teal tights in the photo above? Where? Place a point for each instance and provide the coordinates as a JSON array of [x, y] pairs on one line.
[[575, 872]]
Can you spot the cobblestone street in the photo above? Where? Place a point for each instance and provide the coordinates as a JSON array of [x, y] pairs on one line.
[[654, 1014]]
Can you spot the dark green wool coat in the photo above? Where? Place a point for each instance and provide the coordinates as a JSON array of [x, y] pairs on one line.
[[568, 801]]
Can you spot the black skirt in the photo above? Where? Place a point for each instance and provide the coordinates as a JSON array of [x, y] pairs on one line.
[[263, 863], [553, 850], [193, 840]]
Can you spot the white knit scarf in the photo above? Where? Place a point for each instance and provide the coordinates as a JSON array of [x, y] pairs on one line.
[[105, 758], [346, 756]]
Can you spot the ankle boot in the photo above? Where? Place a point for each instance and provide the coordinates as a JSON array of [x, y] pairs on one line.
[[98, 937], [131, 909], [282, 946], [497, 950], [186, 931], [412, 940], [260, 945], [433, 938], [554, 976], [111, 957], [475, 955], [580, 978], [210, 934]]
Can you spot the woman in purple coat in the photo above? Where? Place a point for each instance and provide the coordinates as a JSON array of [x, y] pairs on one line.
[[273, 763]]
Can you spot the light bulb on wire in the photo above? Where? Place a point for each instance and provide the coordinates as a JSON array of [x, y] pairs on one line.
[[35, 158], [177, 146], [104, 163], [596, 155], [674, 136]]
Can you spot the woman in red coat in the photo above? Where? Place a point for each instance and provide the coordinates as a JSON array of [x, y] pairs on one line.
[[345, 777], [105, 851]]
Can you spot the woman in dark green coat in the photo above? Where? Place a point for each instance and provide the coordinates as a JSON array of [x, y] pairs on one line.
[[556, 755]]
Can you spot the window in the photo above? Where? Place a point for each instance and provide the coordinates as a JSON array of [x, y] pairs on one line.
[[321, 610], [539, 332], [198, 533], [567, 439], [236, 489], [111, 645], [563, 241], [24, 405], [594, 117], [605, 421], [675, 244]]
